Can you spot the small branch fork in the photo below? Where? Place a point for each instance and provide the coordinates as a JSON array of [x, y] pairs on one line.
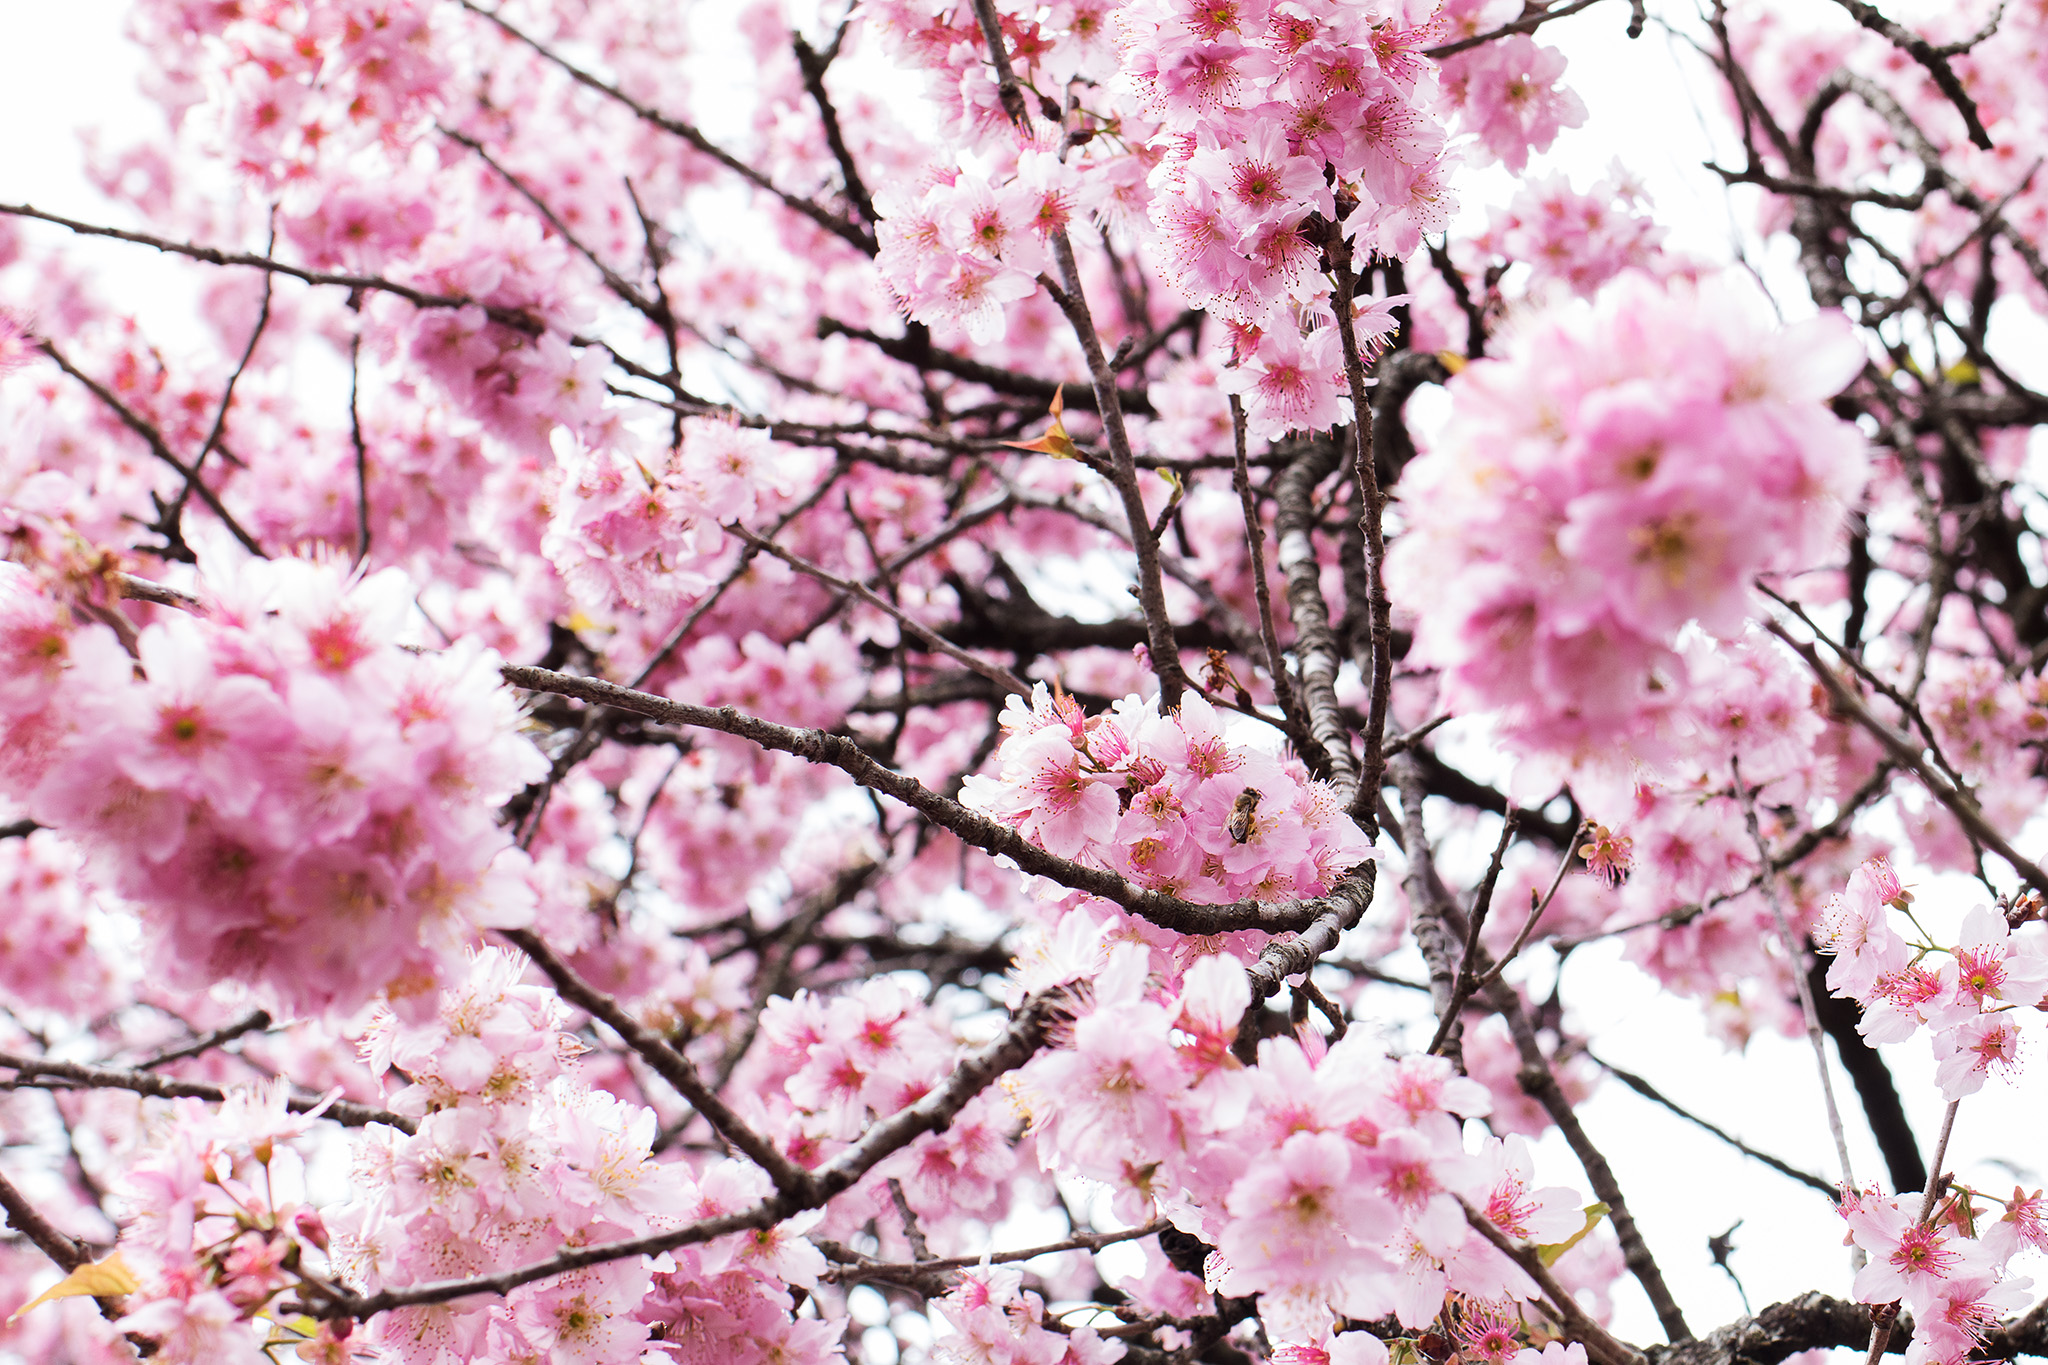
[[1437, 927], [158, 447], [853, 1267], [1072, 300], [1909, 756], [791, 1180], [1934, 59], [995, 673], [1255, 544], [853, 234], [1472, 977]]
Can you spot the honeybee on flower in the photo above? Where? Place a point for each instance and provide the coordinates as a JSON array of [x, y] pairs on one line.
[[1243, 812]]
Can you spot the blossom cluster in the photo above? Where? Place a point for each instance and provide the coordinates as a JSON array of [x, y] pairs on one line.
[[1168, 801], [1267, 113], [1580, 239], [645, 531], [1948, 1269], [516, 1155], [964, 247], [1624, 468], [288, 796], [995, 1321], [212, 1242], [1946, 1263], [1327, 1178], [1509, 91], [47, 957], [1968, 998]]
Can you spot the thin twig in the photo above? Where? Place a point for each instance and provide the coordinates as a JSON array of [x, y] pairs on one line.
[[1881, 1325], [157, 445], [1655, 1096], [851, 233], [911, 1232], [671, 1065], [1527, 24], [355, 429], [995, 673], [254, 1022], [1933, 59], [1255, 544], [1796, 957], [1468, 980], [972, 1075], [1959, 802], [35, 1071]]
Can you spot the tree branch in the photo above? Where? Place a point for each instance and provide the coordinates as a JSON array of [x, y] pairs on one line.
[[1934, 59], [1959, 802], [32, 1071], [850, 233], [791, 1180], [819, 746], [1024, 1036], [1656, 1096]]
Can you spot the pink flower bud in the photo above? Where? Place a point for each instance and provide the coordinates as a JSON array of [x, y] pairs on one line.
[[306, 1222]]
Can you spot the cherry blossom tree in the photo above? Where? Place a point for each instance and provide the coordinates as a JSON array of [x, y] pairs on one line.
[[751, 652]]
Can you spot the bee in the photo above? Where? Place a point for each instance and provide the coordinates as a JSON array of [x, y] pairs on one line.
[[1242, 813]]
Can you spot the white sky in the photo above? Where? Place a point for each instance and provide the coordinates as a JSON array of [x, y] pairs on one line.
[[64, 66]]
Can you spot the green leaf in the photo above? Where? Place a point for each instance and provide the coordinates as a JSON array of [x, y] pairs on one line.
[[1549, 1254]]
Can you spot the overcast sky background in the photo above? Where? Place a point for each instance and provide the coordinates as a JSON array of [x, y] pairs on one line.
[[64, 66]]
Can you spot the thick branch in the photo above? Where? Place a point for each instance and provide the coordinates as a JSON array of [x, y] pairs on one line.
[[1348, 902], [1816, 1321], [68, 1252], [1315, 642], [1429, 910]]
